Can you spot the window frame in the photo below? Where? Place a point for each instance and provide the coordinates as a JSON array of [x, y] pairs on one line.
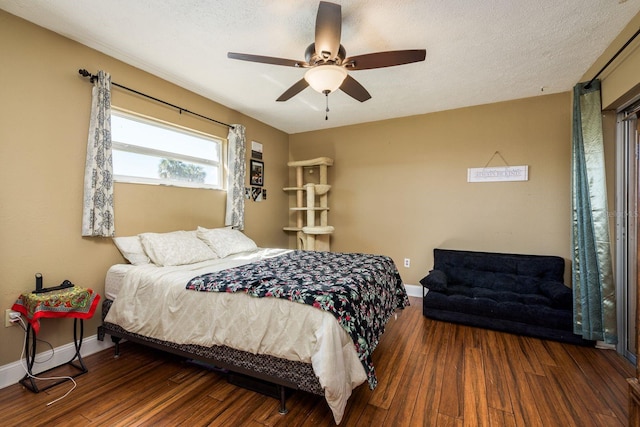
[[219, 142]]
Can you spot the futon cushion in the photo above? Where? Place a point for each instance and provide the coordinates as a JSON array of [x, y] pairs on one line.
[[499, 296], [494, 281], [535, 314], [545, 267], [560, 295]]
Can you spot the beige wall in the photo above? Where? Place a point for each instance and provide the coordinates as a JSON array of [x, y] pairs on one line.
[[44, 116], [400, 187]]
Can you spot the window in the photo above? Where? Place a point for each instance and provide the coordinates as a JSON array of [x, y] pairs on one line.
[[151, 152]]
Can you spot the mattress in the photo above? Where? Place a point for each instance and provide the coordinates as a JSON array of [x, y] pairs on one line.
[[152, 301], [114, 280]]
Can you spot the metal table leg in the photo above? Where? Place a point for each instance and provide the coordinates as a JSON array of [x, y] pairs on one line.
[[30, 355]]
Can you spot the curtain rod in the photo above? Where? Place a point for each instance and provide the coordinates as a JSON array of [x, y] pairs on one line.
[[92, 77], [588, 85]]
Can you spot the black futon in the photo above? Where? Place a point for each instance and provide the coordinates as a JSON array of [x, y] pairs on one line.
[[521, 294]]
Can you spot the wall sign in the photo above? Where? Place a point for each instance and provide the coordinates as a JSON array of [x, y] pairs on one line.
[[503, 173], [256, 150]]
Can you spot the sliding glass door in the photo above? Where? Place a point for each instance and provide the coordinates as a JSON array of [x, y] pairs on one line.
[[627, 220]]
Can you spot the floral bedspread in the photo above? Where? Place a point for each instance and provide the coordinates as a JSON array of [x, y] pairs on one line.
[[362, 291]]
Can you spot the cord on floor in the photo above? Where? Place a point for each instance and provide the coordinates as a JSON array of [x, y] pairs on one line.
[[26, 370]]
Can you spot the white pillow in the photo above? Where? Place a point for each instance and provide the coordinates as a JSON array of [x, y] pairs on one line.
[[131, 248], [226, 241], [175, 248]]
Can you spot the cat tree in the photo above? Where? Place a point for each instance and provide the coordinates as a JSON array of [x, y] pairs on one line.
[[313, 232]]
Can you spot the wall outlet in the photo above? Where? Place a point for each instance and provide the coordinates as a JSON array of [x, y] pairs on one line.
[[8, 316], [407, 262]]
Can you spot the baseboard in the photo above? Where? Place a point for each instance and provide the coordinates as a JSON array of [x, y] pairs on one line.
[[414, 290], [604, 346], [13, 372]]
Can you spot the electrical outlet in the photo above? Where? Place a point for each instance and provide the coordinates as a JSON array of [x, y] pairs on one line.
[[9, 315], [407, 262]]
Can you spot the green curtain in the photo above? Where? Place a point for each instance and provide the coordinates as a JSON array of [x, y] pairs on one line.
[[594, 308]]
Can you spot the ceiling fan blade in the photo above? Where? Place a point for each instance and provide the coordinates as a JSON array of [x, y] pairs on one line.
[[293, 90], [384, 59], [328, 30], [354, 89], [267, 59]]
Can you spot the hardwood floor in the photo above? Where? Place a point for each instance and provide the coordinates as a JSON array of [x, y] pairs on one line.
[[430, 374]]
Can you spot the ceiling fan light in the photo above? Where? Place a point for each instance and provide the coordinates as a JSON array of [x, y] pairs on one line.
[[323, 78]]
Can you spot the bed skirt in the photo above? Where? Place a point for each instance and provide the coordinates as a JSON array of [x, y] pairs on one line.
[[281, 372]]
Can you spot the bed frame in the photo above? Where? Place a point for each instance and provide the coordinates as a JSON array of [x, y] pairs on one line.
[[266, 374]]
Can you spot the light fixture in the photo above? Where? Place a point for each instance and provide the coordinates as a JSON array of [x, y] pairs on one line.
[[325, 78]]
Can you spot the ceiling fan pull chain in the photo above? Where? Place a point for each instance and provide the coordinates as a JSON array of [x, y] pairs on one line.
[[326, 95]]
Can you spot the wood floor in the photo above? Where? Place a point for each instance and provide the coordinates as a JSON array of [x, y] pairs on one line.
[[430, 374]]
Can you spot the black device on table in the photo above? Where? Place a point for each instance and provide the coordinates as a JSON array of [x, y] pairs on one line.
[[39, 289]]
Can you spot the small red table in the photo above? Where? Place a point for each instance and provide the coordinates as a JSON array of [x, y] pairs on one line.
[[74, 302]]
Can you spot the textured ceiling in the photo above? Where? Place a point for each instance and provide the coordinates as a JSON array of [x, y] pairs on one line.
[[478, 52]]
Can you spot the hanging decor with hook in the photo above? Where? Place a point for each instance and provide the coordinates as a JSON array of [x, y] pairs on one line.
[[498, 173]]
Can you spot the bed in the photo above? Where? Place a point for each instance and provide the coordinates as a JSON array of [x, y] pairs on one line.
[[300, 320]]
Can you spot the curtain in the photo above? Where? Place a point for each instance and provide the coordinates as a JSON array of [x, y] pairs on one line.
[[594, 308], [97, 211], [236, 167]]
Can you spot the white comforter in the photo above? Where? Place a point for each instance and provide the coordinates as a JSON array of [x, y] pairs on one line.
[[153, 302]]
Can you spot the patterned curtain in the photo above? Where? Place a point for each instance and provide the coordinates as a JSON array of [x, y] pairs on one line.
[[97, 211], [594, 308], [236, 166]]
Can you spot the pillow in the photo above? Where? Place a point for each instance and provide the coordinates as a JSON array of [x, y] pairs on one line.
[[175, 248], [131, 248], [436, 280], [226, 241]]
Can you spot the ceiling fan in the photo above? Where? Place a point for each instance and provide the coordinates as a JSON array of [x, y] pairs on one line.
[[327, 62]]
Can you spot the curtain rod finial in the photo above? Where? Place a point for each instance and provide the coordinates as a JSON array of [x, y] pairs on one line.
[[83, 72]]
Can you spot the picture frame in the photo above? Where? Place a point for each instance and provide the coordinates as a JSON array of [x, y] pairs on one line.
[[257, 173], [256, 150], [256, 194]]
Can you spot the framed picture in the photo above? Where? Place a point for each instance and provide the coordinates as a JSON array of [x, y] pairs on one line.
[[256, 194], [256, 150], [257, 173]]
